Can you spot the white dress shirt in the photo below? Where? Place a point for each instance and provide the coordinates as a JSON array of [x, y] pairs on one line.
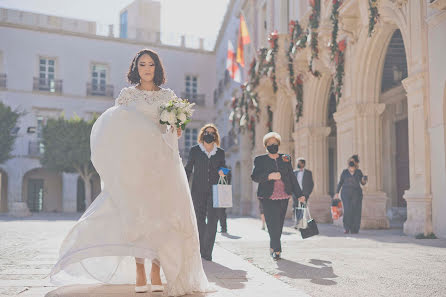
[[300, 177]]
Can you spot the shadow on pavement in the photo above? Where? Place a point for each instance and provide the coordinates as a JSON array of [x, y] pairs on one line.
[[321, 275], [43, 216], [227, 235], [225, 277]]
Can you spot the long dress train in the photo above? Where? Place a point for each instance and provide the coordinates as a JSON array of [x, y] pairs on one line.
[[145, 208]]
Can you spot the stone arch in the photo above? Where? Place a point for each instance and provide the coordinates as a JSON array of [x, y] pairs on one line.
[[283, 119], [370, 61], [42, 190]]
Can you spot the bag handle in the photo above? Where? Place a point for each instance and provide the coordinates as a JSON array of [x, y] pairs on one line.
[[222, 180], [307, 209]]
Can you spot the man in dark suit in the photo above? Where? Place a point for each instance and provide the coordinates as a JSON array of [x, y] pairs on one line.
[[305, 180]]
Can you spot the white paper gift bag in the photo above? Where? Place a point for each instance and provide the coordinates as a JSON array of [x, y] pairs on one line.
[[222, 194]]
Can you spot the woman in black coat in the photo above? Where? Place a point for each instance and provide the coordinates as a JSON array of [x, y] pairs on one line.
[[277, 183], [350, 182], [203, 165]]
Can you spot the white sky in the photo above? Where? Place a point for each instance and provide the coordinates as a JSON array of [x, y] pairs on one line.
[[199, 18]]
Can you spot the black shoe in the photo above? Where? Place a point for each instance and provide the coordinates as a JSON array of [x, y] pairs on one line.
[[276, 256]]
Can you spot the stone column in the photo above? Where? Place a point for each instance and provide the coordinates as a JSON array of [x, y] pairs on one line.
[[69, 192], [16, 206], [317, 161], [246, 199], [359, 132], [418, 197]]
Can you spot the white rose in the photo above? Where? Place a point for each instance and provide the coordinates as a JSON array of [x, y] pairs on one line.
[[164, 116], [171, 118], [182, 117]]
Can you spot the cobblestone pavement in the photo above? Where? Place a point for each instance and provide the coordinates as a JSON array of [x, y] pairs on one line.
[[29, 248], [371, 263]]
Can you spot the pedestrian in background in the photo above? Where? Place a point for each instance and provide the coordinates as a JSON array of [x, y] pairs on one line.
[[277, 182], [203, 166], [305, 180], [351, 194]]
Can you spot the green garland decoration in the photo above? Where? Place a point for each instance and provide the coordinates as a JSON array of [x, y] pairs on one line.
[[337, 50], [271, 58], [314, 25], [298, 38], [374, 15]]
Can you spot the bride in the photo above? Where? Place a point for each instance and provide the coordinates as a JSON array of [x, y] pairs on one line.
[[144, 214]]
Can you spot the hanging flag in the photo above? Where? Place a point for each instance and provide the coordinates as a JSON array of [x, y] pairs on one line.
[[243, 39], [231, 64]]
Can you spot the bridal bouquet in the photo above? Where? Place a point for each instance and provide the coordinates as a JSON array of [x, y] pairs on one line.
[[177, 112]]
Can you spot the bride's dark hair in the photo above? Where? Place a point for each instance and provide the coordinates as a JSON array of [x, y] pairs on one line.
[[133, 75]]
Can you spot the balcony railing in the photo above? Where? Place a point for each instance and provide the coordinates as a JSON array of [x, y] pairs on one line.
[[2, 80], [99, 90], [47, 85], [198, 99], [35, 148]]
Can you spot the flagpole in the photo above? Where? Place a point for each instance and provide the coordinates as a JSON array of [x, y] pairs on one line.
[[247, 27]]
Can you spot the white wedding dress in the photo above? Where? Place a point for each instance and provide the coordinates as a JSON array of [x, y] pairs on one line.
[[145, 208]]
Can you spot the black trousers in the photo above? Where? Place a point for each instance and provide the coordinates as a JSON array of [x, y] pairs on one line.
[[207, 219], [352, 204], [221, 214], [275, 211]]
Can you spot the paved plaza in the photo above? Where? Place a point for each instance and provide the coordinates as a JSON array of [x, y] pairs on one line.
[[373, 263]]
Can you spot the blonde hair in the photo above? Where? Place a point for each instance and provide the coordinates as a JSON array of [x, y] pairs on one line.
[[270, 135], [217, 135]]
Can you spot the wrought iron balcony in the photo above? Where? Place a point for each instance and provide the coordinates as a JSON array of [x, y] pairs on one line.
[[47, 85], [35, 148], [198, 99], [2, 80], [99, 90]]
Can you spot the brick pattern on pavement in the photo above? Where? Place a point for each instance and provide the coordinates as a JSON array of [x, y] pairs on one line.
[[29, 248]]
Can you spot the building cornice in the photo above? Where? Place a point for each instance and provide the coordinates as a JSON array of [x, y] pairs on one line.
[[104, 38]]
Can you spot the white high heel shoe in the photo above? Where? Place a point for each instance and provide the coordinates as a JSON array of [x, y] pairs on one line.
[[157, 288], [141, 289]]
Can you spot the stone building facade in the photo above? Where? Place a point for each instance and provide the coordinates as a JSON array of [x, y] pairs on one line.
[[51, 65], [392, 110]]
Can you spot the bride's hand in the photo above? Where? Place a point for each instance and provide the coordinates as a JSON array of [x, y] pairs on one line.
[[179, 132]]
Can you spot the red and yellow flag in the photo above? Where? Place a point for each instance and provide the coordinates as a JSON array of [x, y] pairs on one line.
[[243, 39]]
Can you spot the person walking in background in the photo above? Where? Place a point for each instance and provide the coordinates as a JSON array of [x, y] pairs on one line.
[[203, 166], [305, 180], [277, 182], [350, 183], [222, 217]]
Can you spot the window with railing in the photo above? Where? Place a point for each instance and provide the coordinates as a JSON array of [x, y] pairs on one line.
[[191, 90], [35, 146], [46, 81], [98, 85], [191, 84], [190, 139]]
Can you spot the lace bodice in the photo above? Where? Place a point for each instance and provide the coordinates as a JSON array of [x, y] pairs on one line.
[[148, 102]]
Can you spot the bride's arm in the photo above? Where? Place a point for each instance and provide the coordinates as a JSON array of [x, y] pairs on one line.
[[122, 98]]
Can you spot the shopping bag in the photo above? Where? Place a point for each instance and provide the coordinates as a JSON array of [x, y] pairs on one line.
[[311, 228], [299, 215], [222, 194], [336, 209]]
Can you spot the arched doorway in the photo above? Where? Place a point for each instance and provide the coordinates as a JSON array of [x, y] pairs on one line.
[[3, 191], [395, 132], [332, 144], [42, 190], [95, 183]]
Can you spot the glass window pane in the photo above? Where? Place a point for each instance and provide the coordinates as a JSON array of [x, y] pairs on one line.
[[42, 61], [51, 62]]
